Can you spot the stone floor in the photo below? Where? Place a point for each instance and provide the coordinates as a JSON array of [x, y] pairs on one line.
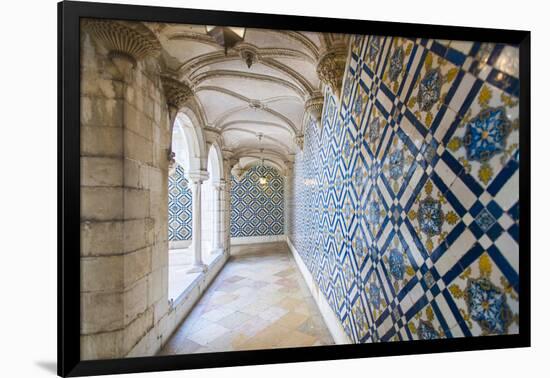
[[258, 301]]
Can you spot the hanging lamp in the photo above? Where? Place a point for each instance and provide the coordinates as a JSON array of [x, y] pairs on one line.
[[226, 36], [263, 179]]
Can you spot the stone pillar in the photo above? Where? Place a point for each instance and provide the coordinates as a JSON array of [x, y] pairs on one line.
[[229, 161], [218, 212], [123, 190], [288, 177], [196, 178]]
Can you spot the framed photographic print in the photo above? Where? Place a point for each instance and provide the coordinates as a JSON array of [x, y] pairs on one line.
[[241, 188]]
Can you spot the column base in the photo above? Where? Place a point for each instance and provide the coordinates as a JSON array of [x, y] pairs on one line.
[[198, 268]]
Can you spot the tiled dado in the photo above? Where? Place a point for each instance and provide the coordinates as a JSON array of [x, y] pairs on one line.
[[406, 199], [257, 210]]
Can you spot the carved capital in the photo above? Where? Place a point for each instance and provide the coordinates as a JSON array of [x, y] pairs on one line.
[[299, 140], [212, 135], [176, 92], [132, 41], [172, 164], [331, 67], [314, 106], [197, 177]]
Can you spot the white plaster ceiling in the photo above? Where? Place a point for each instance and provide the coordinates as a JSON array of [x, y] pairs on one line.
[[241, 102]]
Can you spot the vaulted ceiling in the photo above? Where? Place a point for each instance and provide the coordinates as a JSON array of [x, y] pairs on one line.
[[268, 97]]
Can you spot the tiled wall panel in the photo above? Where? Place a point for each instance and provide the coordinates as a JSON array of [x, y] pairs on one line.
[[180, 212], [405, 201], [257, 210]]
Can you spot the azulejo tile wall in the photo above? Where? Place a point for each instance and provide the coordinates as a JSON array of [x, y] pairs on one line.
[[257, 210], [180, 212], [405, 205]]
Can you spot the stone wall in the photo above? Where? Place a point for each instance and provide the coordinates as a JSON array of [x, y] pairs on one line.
[[124, 175]]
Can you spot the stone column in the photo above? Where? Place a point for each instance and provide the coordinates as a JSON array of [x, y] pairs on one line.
[[219, 188], [288, 176], [124, 191], [229, 161], [196, 178]]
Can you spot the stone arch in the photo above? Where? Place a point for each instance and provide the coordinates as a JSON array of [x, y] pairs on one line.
[[188, 141], [215, 162]]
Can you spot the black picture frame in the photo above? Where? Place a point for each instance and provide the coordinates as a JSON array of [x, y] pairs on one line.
[[69, 14]]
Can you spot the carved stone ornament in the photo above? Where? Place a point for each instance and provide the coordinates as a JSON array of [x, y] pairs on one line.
[[176, 92], [249, 56], [314, 106], [331, 68], [299, 140], [172, 164], [132, 41]]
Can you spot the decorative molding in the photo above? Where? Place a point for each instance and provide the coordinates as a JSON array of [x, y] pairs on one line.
[[331, 68], [193, 65], [132, 41]]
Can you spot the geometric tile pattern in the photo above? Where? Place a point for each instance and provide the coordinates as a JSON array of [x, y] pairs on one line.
[[405, 204], [257, 210], [180, 202]]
